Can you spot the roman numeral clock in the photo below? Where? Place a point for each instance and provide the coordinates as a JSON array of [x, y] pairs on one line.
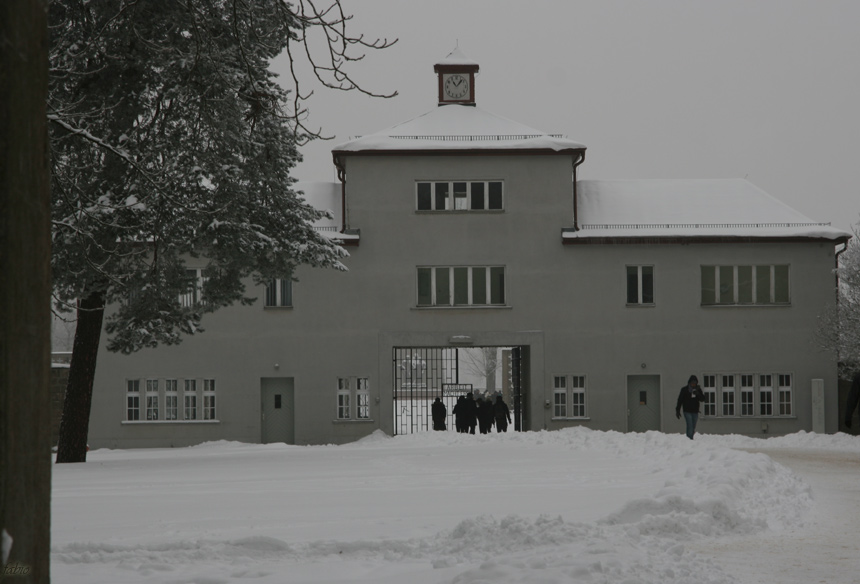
[[456, 79]]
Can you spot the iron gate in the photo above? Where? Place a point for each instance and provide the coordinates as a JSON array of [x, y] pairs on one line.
[[421, 374]]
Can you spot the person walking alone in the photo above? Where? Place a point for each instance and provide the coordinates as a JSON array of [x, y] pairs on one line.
[[688, 400]]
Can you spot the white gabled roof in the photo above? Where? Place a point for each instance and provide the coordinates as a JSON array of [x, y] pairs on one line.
[[688, 208], [456, 57], [458, 127]]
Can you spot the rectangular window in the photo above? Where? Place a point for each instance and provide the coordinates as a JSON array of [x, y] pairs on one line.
[[569, 396], [728, 395], [784, 395], [190, 398], [459, 196], [279, 292], [132, 398], [461, 286], [709, 389], [734, 285], [362, 399], [640, 284], [353, 397], [747, 395], [171, 399], [559, 397], [209, 399], [765, 392], [343, 394], [151, 399]]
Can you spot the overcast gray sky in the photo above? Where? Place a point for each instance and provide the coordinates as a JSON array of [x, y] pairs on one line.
[[766, 90]]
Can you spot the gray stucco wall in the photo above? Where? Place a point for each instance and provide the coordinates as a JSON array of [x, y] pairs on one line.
[[567, 303]]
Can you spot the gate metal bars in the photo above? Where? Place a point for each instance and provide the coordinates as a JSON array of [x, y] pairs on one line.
[[421, 374]]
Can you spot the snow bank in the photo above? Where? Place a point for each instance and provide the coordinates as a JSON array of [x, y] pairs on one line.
[[441, 507]]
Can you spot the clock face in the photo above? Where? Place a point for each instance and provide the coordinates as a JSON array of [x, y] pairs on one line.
[[456, 86]]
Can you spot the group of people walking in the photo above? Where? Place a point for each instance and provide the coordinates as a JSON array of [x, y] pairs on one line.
[[470, 413]]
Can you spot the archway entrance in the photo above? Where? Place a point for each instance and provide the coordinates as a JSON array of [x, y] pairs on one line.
[[421, 374]]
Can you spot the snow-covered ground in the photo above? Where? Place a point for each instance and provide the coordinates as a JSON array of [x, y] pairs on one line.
[[540, 507]]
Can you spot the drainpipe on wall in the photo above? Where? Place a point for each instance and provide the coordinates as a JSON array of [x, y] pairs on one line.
[[576, 163], [341, 176]]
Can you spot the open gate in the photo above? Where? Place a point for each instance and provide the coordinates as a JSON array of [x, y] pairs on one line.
[[421, 374]]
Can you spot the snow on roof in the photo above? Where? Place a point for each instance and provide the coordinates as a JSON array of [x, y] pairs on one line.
[[458, 127], [456, 57], [688, 208]]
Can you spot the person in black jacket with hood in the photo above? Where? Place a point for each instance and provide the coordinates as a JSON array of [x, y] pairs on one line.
[[853, 399], [689, 399]]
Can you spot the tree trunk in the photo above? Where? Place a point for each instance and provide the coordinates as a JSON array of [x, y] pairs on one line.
[[75, 424], [25, 295]]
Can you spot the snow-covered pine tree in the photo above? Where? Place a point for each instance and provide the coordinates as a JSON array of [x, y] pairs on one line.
[[839, 328], [172, 139]]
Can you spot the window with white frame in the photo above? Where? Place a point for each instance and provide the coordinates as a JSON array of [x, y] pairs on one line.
[[784, 394], [569, 396], [151, 399], [709, 389], [728, 394], [765, 392], [209, 399], [459, 195], [353, 398], [132, 399], [279, 293], [745, 285], [190, 399], [747, 395], [753, 392], [640, 285], [171, 399], [461, 286]]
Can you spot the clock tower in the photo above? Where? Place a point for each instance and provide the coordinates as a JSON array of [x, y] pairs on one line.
[[456, 79]]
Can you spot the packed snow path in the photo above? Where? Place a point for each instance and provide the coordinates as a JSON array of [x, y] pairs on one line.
[[541, 507]]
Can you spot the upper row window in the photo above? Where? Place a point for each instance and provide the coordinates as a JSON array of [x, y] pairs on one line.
[[460, 196], [745, 285]]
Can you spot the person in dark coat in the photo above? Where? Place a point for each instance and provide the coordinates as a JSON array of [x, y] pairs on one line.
[[853, 399], [459, 412], [440, 412], [502, 414], [485, 415], [470, 414], [688, 400]]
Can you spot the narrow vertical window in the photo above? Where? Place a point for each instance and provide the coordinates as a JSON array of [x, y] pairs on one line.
[[577, 396], [209, 399], [709, 285], [745, 284], [765, 393], [709, 389], [442, 202], [171, 399], [424, 196], [479, 286], [728, 395], [343, 394], [640, 284], [559, 397], [461, 286], [780, 285], [443, 286], [762, 285], [784, 395], [132, 399], [151, 399], [190, 398], [747, 395], [726, 289], [495, 199], [497, 285], [279, 292], [478, 196], [461, 196], [362, 399], [425, 286]]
